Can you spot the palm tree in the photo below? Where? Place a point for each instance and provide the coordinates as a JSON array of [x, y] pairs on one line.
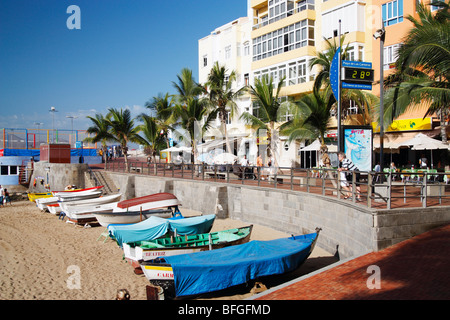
[[222, 96], [362, 99], [162, 107], [100, 130], [189, 116], [151, 136], [187, 87], [312, 116], [270, 111], [423, 67], [122, 129]]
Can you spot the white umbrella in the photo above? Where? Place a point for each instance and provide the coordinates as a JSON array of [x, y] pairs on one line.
[[424, 142], [225, 158]]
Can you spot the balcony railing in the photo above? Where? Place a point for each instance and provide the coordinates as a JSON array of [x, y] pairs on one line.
[[377, 190], [301, 6]]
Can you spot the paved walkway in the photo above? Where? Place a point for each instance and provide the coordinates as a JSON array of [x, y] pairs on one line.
[[415, 269]]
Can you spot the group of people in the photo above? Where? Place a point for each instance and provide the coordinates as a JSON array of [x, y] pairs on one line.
[[4, 196]]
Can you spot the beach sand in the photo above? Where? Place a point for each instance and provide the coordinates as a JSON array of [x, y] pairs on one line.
[[44, 258]]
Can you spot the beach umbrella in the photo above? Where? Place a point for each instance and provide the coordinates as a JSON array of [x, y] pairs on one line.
[[424, 142]]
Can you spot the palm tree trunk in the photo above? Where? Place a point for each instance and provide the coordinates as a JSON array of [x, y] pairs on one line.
[[224, 129], [443, 128], [125, 152]]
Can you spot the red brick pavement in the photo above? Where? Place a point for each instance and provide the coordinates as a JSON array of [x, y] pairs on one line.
[[415, 269]]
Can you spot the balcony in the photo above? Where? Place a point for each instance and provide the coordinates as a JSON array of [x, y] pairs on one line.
[[266, 20]]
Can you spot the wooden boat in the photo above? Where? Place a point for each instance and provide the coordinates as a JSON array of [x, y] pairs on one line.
[[64, 205], [207, 271], [43, 203], [129, 211], [169, 246], [75, 191], [152, 201], [156, 227], [33, 196]]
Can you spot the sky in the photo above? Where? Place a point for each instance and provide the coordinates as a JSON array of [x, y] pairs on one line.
[[124, 53]]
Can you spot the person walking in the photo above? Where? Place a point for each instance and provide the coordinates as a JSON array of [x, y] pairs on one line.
[[347, 166]]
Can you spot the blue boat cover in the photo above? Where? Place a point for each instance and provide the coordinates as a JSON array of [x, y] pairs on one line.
[[218, 269], [156, 227]]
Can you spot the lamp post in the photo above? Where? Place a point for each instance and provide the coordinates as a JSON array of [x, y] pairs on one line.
[[53, 110], [380, 34], [71, 119], [39, 132]]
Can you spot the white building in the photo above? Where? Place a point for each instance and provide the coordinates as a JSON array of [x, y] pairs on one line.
[[230, 46]]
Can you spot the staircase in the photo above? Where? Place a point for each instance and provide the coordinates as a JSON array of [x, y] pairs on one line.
[[25, 172], [100, 178]]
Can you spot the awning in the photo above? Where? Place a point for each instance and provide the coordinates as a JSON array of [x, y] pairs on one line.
[[213, 144], [315, 146]]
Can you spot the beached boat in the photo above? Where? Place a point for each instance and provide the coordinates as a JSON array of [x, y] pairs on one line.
[[208, 271], [156, 227], [43, 203], [85, 203], [33, 196], [169, 246], [129, 211], [76, 191], [152, 201]]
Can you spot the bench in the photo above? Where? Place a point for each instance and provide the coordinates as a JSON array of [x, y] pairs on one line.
[[220, 175]]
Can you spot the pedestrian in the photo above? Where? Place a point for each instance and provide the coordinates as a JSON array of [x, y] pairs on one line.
[[6, 197], [349, 168]]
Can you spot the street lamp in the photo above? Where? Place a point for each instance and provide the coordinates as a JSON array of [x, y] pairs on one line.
[[380, 34], [53, 110], [71, 118], [39, 132]]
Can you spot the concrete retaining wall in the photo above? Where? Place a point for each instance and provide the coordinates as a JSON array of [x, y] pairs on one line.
[[347, 229], [57, 176]]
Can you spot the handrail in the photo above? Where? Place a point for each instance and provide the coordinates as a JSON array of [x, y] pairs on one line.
[[377, 189]]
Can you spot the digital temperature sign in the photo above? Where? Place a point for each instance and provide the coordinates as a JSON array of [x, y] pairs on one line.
[[358, 74]]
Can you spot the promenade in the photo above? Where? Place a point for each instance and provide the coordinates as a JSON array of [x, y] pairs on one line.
[[415, 269], [412, 269]]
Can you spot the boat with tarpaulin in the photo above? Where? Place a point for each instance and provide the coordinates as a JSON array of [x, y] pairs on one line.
[[169, 246], [208, 271], [156, 227]]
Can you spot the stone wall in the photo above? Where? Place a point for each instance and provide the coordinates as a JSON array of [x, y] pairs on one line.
[[347, 229], [57, 176]]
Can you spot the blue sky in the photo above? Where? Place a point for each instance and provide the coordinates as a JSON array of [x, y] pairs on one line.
[[126, 52]]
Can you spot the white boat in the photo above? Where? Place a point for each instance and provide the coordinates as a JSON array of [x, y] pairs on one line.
[[54, 208], [86, 213], [42, 203], [137, 209], [64, 205], [76, 191]]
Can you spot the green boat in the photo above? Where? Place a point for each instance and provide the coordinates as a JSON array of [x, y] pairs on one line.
[[135, 252]]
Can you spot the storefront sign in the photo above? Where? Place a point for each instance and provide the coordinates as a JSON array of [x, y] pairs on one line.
[[406, 125]]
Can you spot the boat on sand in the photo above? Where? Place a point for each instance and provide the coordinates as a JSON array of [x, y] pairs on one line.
[[169, 246], [208, 271]]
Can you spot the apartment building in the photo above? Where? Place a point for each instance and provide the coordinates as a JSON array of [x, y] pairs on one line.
[[284, 35], [230, 46]]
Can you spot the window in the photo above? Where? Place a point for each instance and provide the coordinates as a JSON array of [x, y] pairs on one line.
[[246, 79], [296, 72], [246, 48], [227, 52], [392, 12], [13, 170], [292, 37], [4, 170], [205, 61], [390, 56]]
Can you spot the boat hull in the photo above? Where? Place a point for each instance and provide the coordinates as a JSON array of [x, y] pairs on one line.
[[209, 273], [143, 251], [107, 218], [33, 196]]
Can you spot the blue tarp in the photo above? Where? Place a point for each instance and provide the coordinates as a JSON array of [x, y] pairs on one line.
[[36, 153], [218, 269], [156, 227]]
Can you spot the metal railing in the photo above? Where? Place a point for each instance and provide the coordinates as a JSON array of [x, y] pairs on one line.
[[373, 190]]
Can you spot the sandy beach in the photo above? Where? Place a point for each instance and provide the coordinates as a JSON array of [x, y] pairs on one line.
[[44, 258]]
